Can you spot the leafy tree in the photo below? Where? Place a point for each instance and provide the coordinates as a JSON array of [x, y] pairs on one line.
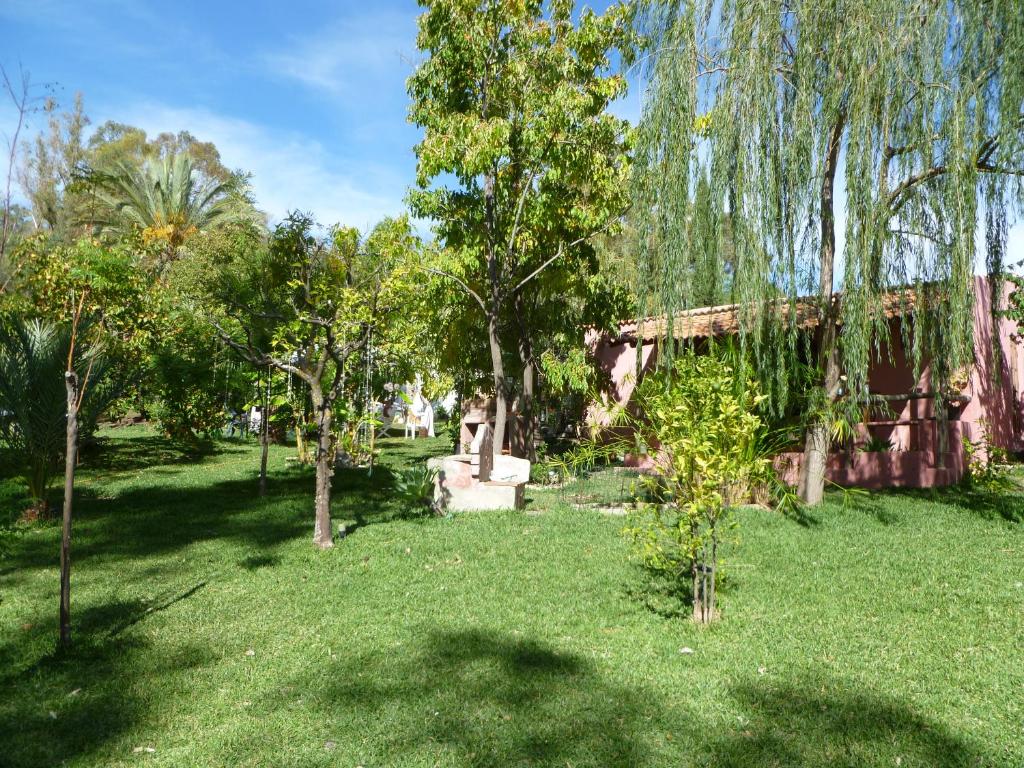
[[513, 100], [48, 170], [50, 376], [84, 292], [306, 305], [908, 112], [704, 427], [14, 219], [119, 295], [182, 375], [113, 143]]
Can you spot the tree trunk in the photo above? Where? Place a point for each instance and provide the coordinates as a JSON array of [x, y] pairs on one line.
[[324, 471], [500, 394], [526, 429], [70, 461], [265, 437], [816, 441]]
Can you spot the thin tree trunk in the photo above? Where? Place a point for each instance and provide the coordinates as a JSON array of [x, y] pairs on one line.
[[495, 291], [526, 429], [816, 441], [500, 394], [265, 437], [713, 575], [70, 461], [322, 529]]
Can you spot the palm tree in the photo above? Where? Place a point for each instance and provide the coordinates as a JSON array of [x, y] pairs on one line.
[[165, 199], [33, 398]]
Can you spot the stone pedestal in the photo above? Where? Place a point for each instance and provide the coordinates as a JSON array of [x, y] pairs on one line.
[[458, 486]]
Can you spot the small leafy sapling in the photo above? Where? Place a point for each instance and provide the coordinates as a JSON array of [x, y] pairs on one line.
[[703, 427]]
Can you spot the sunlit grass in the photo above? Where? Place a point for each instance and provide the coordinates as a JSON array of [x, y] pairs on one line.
[[887, 631]]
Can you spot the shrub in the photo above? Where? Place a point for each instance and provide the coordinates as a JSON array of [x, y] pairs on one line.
[[706, 429], [414, 487], [986, 467], [876, 444]]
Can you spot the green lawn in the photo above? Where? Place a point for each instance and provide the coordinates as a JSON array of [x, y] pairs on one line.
[[887, 631]]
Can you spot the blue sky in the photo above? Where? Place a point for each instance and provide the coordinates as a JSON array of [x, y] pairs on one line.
[[309, 96]]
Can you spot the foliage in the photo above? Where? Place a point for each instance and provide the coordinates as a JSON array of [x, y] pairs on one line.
[[876, 444], [128, 311], [986, 467], [183, 376], [520, 165], [910, 113], [703, 425], [414, 487], [162, 203], [578, 461], [113, 143], [33, 358], [573, 373], [54, 162], [47, 171], [321, 309]]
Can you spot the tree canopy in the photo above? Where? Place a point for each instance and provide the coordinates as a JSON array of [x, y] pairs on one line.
[[899, 119], [521, 162]]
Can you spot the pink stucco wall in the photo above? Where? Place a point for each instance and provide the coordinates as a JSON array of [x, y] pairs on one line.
[[920, 457]]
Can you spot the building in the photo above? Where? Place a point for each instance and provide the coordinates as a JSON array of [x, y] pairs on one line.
[[921, 453]]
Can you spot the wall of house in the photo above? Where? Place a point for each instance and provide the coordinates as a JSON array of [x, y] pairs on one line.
[[617, 362], [924, 454]]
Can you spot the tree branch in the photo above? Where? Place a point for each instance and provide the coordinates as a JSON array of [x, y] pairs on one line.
[[256, 356], [21, 105], [460, 281], [562, 248]]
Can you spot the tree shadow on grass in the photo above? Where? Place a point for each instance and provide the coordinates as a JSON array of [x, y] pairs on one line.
[[105, 454], [159, 519], [987, 504], [70, 705], [475, 697], [800, 724], [480, 698]]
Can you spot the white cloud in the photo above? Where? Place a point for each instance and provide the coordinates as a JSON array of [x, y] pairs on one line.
[[353, 56], [289, 170]]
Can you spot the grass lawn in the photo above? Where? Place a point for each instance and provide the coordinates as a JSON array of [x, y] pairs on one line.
[[886, 631]]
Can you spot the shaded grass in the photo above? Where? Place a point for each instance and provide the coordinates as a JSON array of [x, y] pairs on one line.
[[209, 630]]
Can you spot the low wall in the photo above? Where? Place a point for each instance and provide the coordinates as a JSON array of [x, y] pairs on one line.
[[881, 469]]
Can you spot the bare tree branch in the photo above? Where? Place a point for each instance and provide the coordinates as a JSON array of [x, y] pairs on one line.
[[21, 99]]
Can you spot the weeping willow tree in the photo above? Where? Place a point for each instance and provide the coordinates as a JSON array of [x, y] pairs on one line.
[[898, 122]]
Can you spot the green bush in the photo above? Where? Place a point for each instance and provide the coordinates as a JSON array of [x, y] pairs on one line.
[[705, 428], [414, 487], [986, 467]]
